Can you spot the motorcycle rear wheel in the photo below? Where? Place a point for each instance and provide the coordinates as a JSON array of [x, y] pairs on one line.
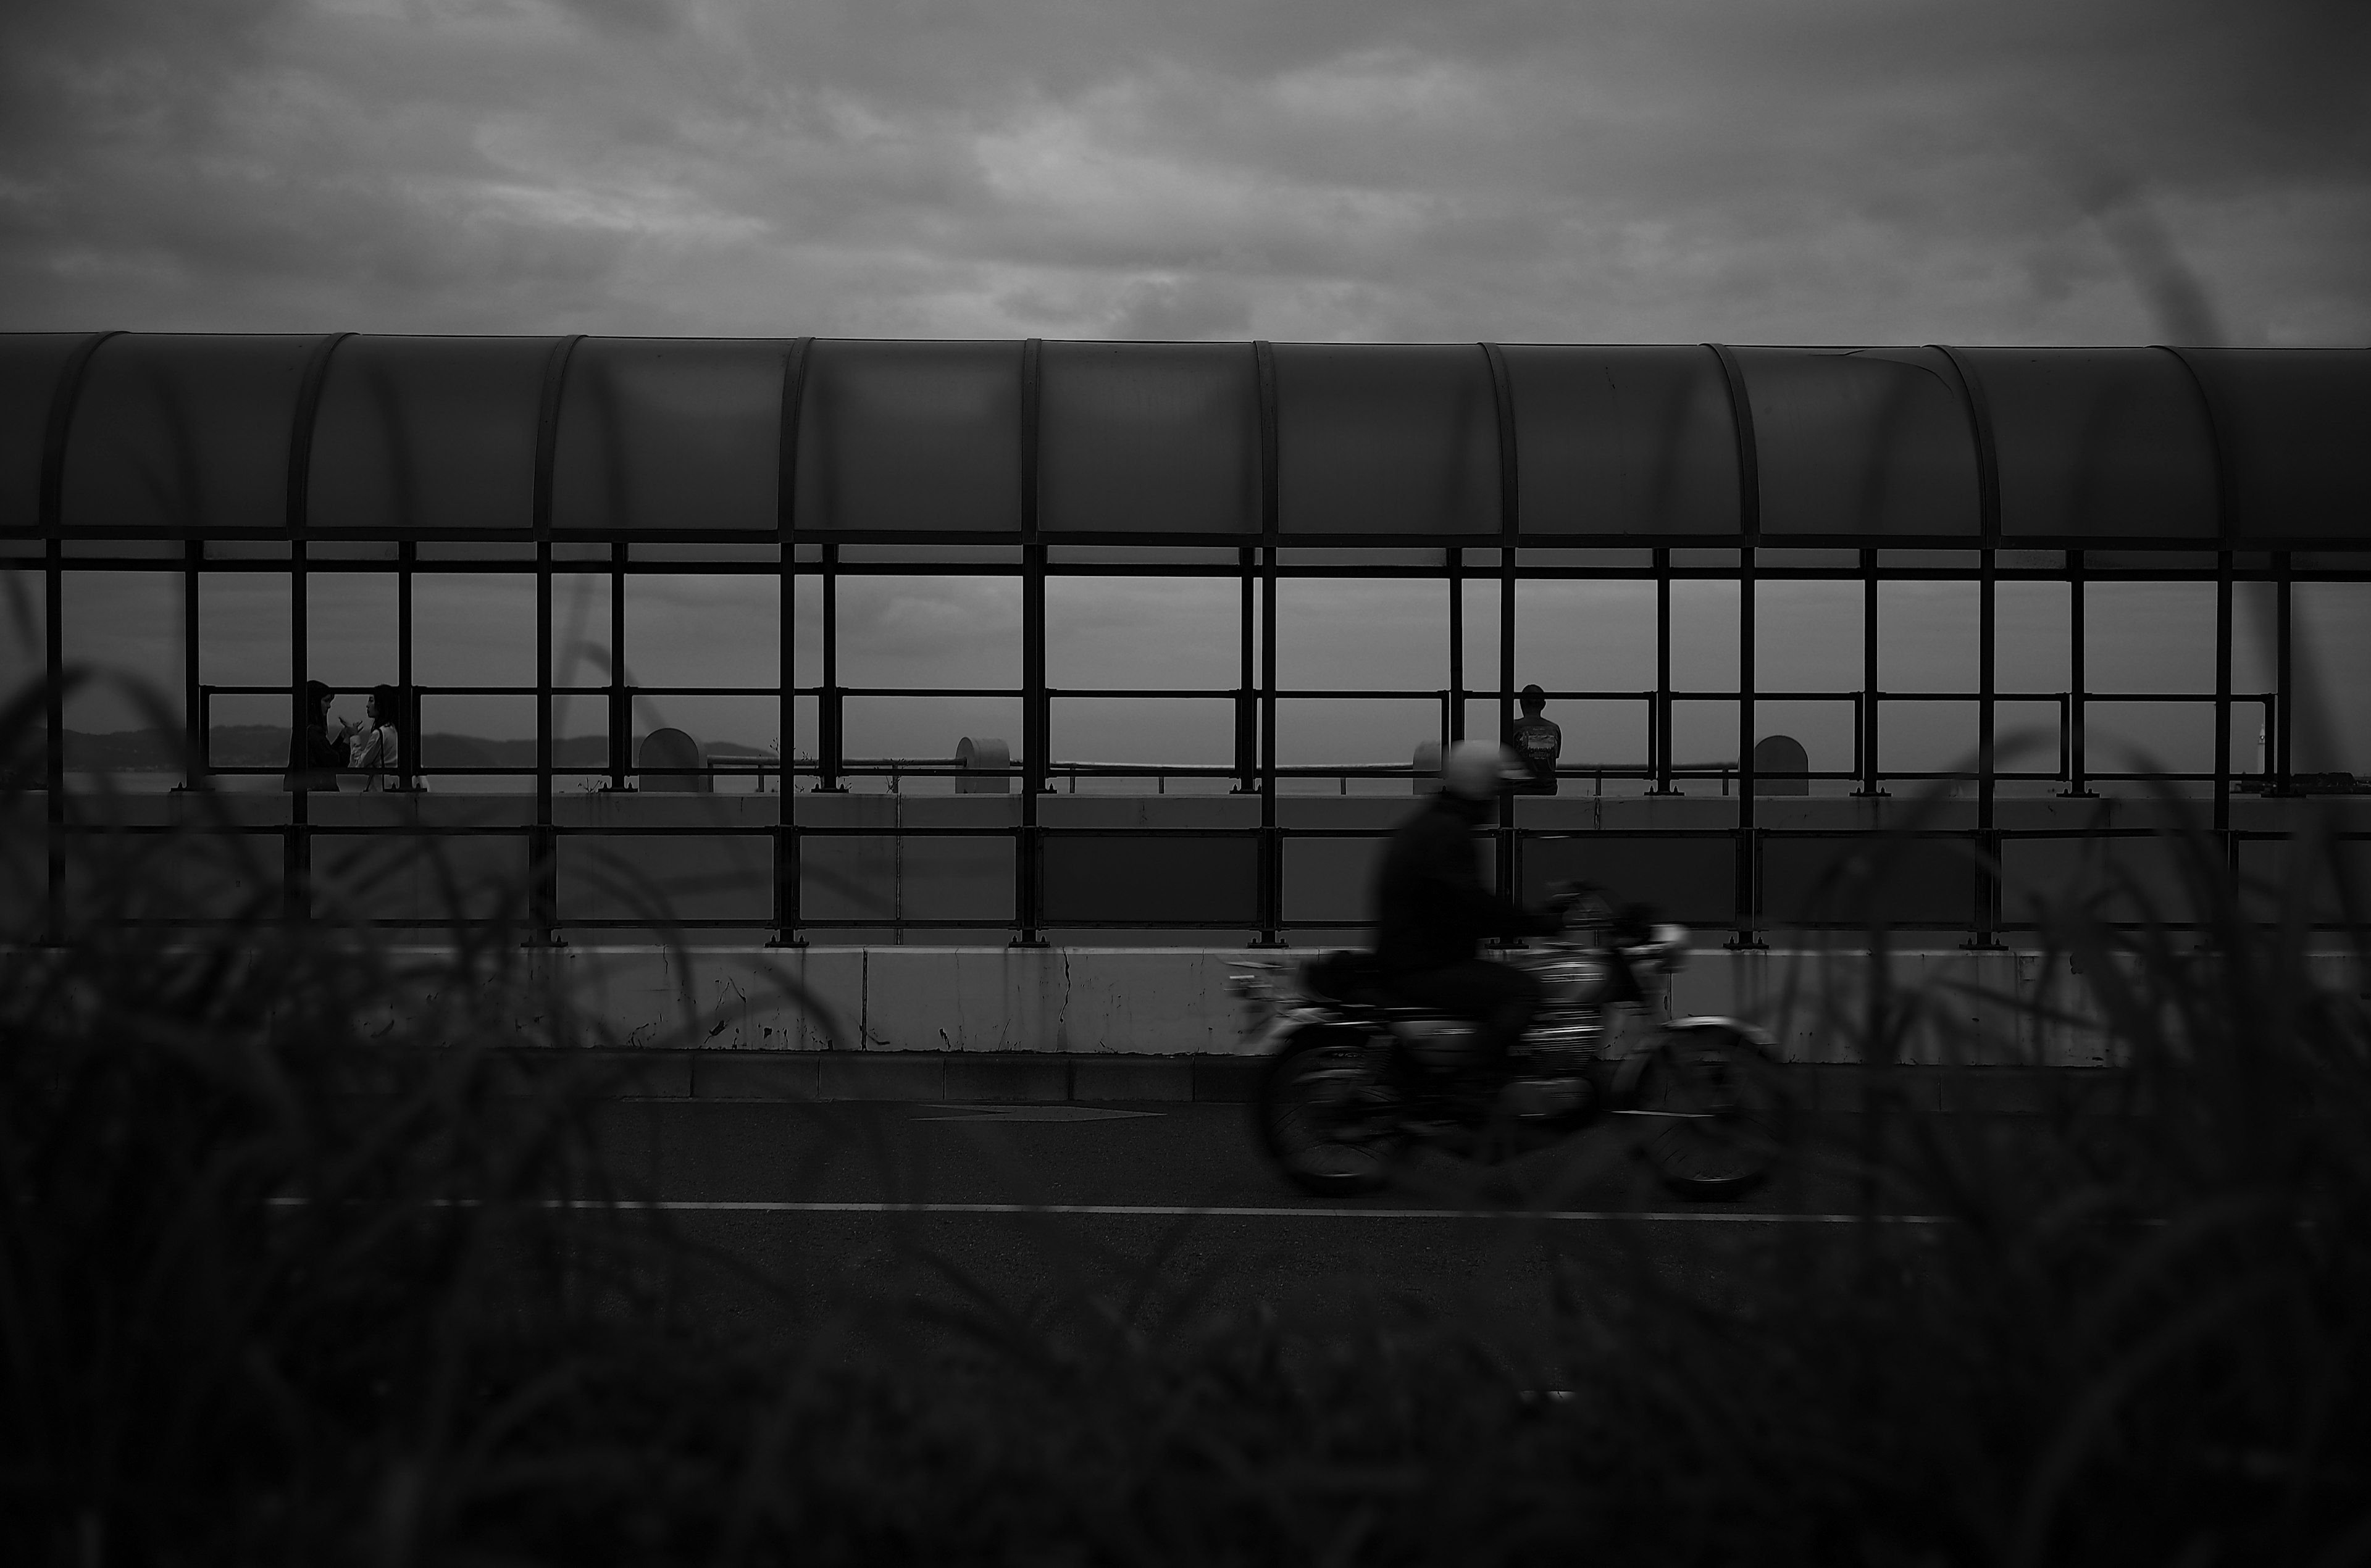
[[1319, 1119], [1711, 1115]]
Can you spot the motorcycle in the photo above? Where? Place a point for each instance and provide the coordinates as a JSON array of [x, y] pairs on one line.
[[1356, 1078]]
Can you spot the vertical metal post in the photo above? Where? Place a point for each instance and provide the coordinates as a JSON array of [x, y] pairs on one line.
[[544, 894], [786, 491], [1662, 717], [620, 695], [1246, 696], [1452, 730], [828, 758], [297, 861], [408, 726], [1869, 694], [1036, 707], [64, 393], [54, 715], [1748, 527], [1988, 890], [2078, 783], [193, 721], [2284, 677], [1271, 844], [2223, 692]]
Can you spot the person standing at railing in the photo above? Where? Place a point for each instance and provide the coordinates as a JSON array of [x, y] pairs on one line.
[[376, 749], [315, 756], [1538, 742]]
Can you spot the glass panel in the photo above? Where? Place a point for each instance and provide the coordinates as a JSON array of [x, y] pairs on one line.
[[1576, 635], [124, 629], [1929, 636], [1864, 441], [243, 629], [930, 631], [478, 629], [2034, 635], [1917, 881], [1705, 637], [1187, 732], [29, 363], [2293, 422], [1148, 437], [2148, 636], [1807, 636], [1926, 737], [926, 729], [184, 432], [1704, 735], [657, 433], [740, 736], [627, 876], [1331, 879], [580, 627], [2147, 737], [1824, 730], [1623, 440], [1212, 880], [477, 731], [1396, 440], [428, 432], [1354, 732], [349, 618], [1690, 880], [2097, 442], [1143, 632], [910, 435], [2332, 627], [24, 641], [695, 629], [1362, 633], [249, 731]]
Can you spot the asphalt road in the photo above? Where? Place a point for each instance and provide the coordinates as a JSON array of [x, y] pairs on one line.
[[1030, 1205]]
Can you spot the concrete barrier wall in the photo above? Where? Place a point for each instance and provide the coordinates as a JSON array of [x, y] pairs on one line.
[[1973, 1008]]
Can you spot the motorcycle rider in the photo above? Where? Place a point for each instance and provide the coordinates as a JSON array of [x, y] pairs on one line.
[[1432, 910]]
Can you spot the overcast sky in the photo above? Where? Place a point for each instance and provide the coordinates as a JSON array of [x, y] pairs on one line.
[[1839, 170]]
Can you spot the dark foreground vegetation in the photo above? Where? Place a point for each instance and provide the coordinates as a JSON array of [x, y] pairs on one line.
[[282, 1282]]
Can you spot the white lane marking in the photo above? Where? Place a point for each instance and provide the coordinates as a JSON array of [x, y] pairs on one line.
[[1027, 1113], [1194, 1211]]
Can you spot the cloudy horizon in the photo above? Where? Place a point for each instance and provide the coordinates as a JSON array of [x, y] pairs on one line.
[[1832, 171]]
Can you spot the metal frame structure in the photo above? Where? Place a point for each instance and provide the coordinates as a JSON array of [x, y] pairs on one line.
[[2263, 525]]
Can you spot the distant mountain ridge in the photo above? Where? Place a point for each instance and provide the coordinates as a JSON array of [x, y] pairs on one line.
[[266, 746]]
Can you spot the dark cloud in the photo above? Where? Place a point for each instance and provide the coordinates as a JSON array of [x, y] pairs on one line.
[[1831, 170]]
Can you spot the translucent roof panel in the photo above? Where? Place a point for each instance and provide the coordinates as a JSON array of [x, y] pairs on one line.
[[2296, 425], [2097, 442], [1623, 440], [29, 366], [657, 435], [1861, 441], [1148, 438], [428, 433], [1385, 439], [910, 435], [189, 433]]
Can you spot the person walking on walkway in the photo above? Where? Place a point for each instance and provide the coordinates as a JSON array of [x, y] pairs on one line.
[[377, 747], [1538, 742], [314, 754]]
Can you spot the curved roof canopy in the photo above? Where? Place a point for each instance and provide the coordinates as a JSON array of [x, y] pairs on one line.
[[124, 434]]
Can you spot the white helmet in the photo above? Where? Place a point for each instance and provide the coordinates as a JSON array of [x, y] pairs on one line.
[[1474, 769]]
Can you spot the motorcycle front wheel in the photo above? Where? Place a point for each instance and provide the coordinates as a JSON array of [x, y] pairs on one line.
[[1322, 1116], [1710, 1116]]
